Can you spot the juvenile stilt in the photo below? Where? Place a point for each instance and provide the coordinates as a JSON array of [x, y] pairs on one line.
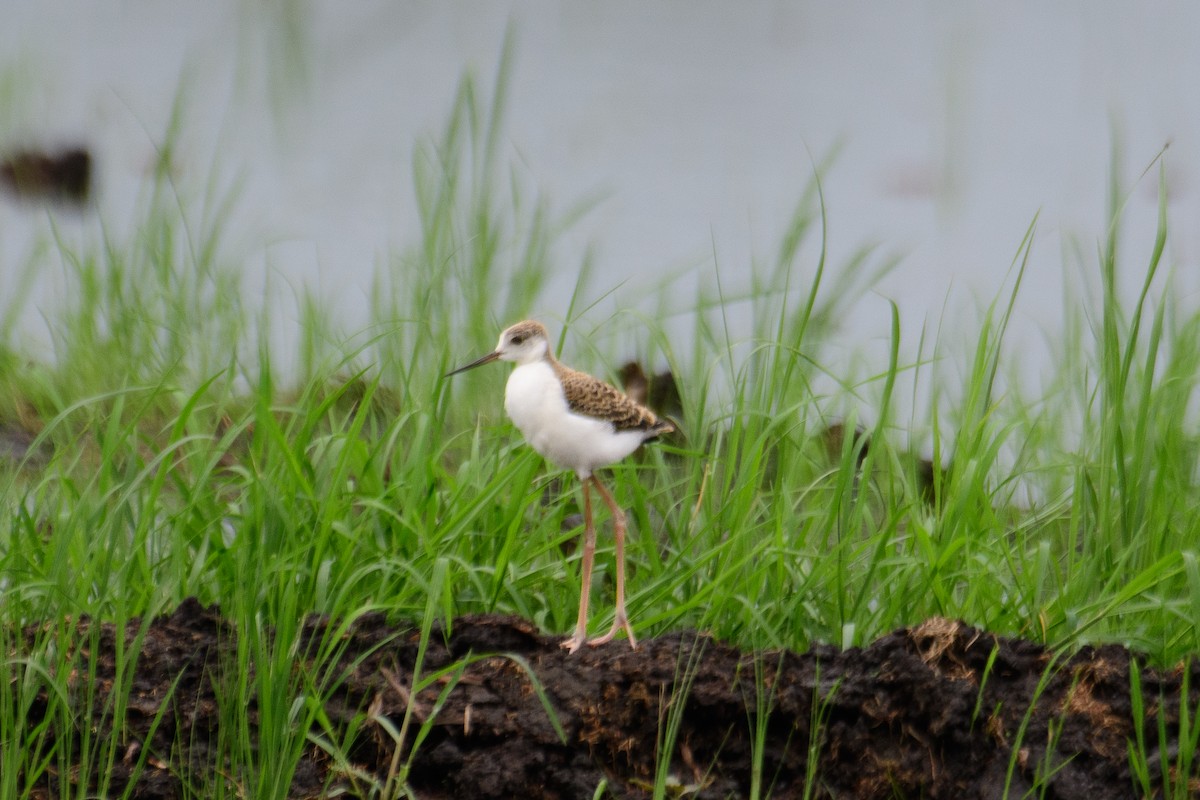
[[578, 423]]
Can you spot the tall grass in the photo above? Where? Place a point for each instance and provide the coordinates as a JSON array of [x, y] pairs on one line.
[[173, 460]]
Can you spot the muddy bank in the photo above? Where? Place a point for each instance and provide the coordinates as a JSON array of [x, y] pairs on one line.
[[933, 711]]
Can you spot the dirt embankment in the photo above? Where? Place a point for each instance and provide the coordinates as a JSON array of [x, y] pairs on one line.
[[941, 710]]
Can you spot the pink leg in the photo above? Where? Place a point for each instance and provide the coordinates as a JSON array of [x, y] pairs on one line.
[[589, 556], [620, 618]]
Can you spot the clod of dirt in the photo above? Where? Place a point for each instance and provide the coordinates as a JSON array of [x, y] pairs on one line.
[[63, 176], [941, 710]]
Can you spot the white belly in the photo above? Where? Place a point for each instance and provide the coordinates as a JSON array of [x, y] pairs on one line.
[[535, 402]]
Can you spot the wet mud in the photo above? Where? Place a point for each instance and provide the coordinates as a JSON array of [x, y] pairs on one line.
[[940, 710]]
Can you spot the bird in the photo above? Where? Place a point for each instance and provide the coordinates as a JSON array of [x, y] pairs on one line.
[[577, 422]]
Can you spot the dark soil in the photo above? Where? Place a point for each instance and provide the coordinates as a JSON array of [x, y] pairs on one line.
[[933, 711]]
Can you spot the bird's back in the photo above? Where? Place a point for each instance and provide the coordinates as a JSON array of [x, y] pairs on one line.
[[593, 397]]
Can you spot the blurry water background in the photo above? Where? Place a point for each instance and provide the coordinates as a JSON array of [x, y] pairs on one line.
[[694, 126]]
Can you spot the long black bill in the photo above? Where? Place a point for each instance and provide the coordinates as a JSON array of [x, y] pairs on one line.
[[479, 362]]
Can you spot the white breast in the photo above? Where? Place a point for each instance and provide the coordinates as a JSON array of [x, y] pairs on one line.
[[535, 402]]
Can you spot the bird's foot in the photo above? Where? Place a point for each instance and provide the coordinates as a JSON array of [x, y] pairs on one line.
[[620, 623], [574, 643]]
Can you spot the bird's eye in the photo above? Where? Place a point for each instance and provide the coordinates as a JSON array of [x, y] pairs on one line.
[[518, 339]]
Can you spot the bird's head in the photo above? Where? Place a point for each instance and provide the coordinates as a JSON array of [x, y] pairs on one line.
[[523, 343]]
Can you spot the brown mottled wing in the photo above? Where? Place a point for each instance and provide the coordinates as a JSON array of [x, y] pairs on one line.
[[594, 398]]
